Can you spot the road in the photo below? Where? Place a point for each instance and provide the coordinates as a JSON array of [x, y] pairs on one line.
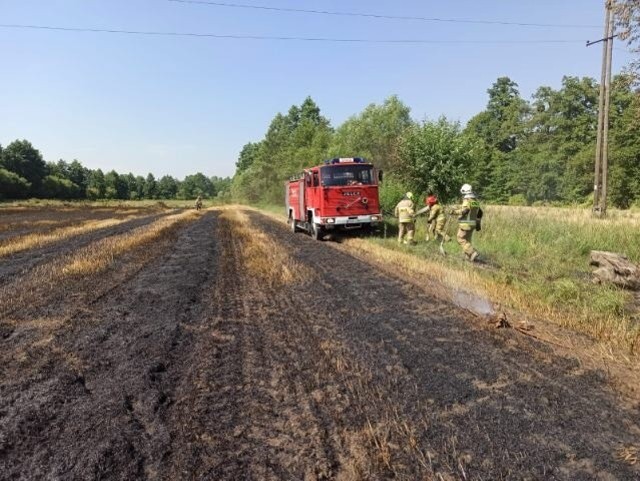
[[181, 363]]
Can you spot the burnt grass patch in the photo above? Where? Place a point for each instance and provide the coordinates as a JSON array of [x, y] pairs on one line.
[[88, 401], [487, 404], [194, 368], [20, 263]]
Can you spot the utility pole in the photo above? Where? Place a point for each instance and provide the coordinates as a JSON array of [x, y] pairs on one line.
[[602, 141]]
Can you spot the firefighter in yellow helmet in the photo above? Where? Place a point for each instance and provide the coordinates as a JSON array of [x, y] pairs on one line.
[[469, 215], [436, 220], [198, 204], [406, 219]]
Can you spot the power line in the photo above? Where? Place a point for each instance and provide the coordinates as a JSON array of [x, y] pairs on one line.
[[379, 16], [284, 38]]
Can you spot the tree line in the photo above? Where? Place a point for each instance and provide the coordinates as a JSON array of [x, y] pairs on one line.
[[24, 173], [515, 151]]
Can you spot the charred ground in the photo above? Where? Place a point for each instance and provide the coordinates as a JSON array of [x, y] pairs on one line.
[[185, 361]]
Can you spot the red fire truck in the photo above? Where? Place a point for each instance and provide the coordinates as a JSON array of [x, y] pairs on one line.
[[340, 194]]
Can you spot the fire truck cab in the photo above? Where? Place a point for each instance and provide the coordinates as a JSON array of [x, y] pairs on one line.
[[342, 193]]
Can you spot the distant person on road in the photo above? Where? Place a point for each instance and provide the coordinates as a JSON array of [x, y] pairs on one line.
[[436, 220], [406, 219], [469, 216], [199, 202]]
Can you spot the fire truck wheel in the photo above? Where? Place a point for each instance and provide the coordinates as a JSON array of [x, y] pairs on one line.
[[317, 232], [293, 226]]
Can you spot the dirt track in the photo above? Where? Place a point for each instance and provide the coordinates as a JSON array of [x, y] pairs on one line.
[[182, 364]]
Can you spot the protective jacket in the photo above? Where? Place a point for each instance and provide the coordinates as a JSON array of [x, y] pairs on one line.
[[405, 211], [436, 212], [469, 213]]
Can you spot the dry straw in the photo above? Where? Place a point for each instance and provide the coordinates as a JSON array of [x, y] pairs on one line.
[[101, 255], [37, 240], [263, 256]]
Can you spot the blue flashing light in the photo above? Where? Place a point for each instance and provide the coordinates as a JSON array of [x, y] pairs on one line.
[[345, 160]]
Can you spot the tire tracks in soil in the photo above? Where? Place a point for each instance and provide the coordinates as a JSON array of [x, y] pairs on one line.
[[191, 367], [91, 402], [246, 408], [492, 404]]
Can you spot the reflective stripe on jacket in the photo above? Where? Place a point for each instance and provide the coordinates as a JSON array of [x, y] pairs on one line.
[[404, 211], [468, 213]]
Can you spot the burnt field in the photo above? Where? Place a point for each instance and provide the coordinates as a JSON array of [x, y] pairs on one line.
[[165, 345]]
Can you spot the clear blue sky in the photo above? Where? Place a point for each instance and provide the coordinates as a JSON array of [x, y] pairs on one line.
[[174, 105]]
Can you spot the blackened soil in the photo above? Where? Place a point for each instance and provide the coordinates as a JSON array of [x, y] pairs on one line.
[[87, 401], [15, 222], [195, 368], [21, 262]]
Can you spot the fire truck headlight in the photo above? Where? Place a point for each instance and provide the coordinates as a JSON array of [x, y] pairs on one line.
[[375, 218], [330, 220]]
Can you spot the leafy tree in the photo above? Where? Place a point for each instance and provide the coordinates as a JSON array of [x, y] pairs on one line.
[[293, 141], [627, 16], [59, 169], [96, 186], [150, 187], [374, 133], [501, 128], [65, 180], [247, 156], [560, 147], [132, 186], [21, 158], [12, 186], [139, 187], [167, 187], [221, 185], [194, 185], [79, 175], [624, 152], [59, 188], [435, 157], [116, 186]]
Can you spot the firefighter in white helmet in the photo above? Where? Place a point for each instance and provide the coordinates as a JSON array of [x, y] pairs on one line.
[[469, 217], [406, 219]]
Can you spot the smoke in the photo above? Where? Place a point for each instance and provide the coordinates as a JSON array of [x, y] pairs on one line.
[[473, 302]]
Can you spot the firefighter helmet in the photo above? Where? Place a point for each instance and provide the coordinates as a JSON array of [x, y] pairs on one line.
[[409, 195], [432, 200], [466, 189]]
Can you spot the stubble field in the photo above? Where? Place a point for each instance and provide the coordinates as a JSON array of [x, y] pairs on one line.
[[163, 344]]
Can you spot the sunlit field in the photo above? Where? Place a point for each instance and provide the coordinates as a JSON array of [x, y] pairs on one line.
[[534, 259], [537, 259]]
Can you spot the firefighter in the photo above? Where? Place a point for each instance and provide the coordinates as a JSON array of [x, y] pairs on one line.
[[405, 214], [436, 220], [199, 202], [469, 215]]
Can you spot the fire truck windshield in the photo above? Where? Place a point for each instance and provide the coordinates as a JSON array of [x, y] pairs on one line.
[[341, 175]]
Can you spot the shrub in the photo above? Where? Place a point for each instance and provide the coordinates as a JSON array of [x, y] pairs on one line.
[[435, 157], [12, 186], [391, 192], [58, 188], [518, 199]]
